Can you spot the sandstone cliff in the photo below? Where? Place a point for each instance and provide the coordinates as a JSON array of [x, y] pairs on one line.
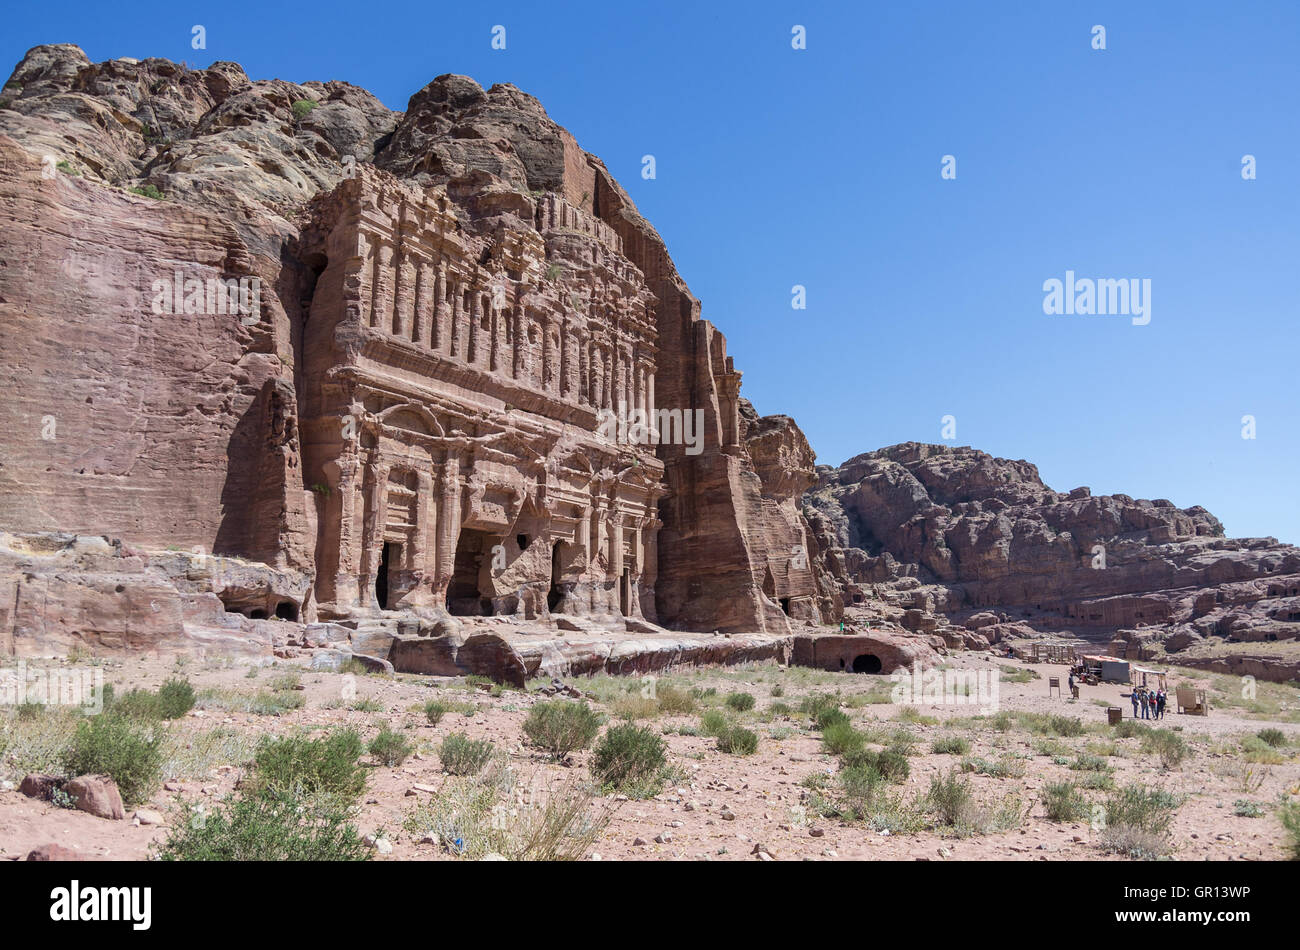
[[471, 214], [956, 534]]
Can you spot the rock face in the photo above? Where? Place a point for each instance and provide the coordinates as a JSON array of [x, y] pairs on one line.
[[955, 534], [428, 364]]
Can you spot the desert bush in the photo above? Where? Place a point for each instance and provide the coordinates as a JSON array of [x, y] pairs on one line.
[[738, 741], [902, 741], [1089, 763], [815, 705], [674, 701], [1131, 729], [1171, 748], [1289, 814], [1004, 767], [176, 697], [950, 745], [627, 755], [304, 766], [841, 738], [303, 106], [1272, 737], [740, 702], [634, 706], [831, 717], [434, 711], [950, 799], [273, 825], [714, 723], [1064, 802], [128, 751], [889, 764], [1244, 808], [1066, 726], [1137, 821], [561, 727], [461, 755], [913, 715], [1259, 752], [391, 748]]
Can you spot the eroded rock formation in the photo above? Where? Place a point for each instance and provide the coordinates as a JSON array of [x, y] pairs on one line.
[[470, 381], [945, 534]]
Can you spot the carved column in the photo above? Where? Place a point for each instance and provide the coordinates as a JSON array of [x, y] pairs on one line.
[[616, 546], [402, 300], [381, 284], [448, 523], [421, 332]]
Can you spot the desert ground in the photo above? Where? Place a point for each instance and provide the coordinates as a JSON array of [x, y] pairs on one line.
[[1227, 790]]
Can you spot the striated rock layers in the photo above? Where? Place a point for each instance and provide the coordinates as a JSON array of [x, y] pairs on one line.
[[460, 376], [956, 534]]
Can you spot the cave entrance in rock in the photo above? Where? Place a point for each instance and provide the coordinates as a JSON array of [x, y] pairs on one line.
[[465, 598], [785, 605], [555, 595], [389, 558], [867, 663], [625, 592]]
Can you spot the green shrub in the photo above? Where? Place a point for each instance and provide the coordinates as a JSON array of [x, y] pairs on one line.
[[714, 723], [740, 702], [434, 711], [1064, 802], [819, 703], [324, 765], [1272, 737], [626, 755], [461, 755], [1088, 763], [832, 717], [1169, 746], [1137, 821], [1245, 808], [902, 741], [303, 106], [1289, 814], [276, 825], [561, 727], [1066, 726], [1131, 729], [674, 701], [777, 691], [29, 711], [890, 764], [841, 738], [949, 798], [391, 748], [950, 745], [128, 751], [147, 191], [175, 698], [738, 741]]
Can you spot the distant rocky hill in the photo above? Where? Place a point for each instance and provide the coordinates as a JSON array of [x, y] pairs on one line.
[[957, 535]]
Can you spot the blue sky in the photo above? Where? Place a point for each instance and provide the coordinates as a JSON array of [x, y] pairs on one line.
[[821, 167]]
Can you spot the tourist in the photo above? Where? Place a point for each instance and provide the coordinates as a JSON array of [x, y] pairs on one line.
[[1133, 695], [1145, 702], [1161, 698]]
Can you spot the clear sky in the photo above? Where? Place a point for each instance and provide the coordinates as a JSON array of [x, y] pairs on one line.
[[821, 167]]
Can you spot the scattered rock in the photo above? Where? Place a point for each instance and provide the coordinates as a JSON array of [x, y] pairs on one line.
[[97, 795]]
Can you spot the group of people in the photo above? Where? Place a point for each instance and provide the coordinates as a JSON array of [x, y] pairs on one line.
[[1150, 701]]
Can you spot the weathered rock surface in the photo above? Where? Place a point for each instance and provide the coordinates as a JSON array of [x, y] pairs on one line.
[[96, 794], [449, 300], [944, 534]]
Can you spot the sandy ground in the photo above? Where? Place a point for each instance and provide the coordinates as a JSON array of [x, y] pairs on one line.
[[765, 793]]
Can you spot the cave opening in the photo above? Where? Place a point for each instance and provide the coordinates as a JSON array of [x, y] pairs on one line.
[[867, 663]]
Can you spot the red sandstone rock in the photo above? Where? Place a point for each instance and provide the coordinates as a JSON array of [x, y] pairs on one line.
[[96, 794]]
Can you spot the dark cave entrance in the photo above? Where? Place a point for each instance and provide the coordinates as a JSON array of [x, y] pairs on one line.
[[389, 557], [555, 594], [464, 595], [867, 663]]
